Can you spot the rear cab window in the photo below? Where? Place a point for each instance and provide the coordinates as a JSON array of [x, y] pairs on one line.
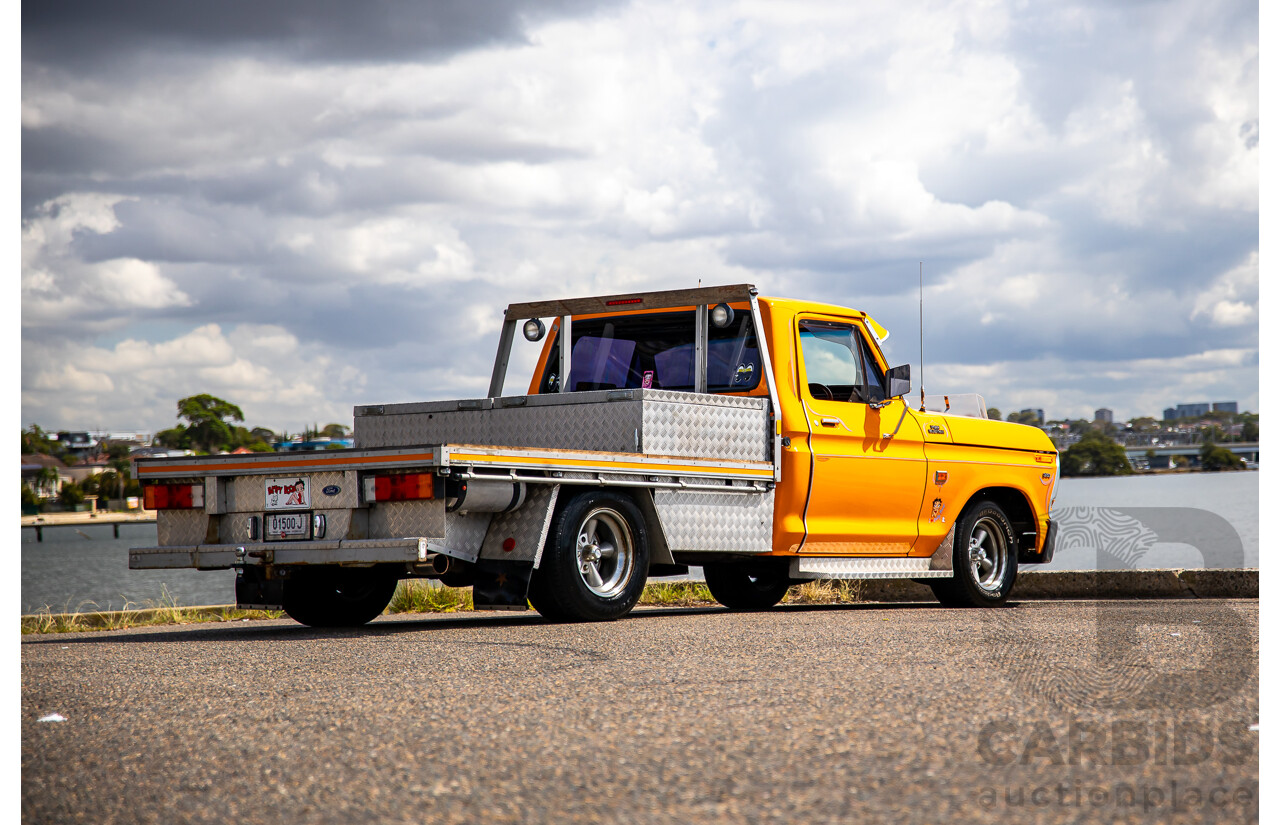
[[655, 350]]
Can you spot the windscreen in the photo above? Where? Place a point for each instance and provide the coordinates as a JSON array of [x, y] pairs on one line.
[[656, 351]]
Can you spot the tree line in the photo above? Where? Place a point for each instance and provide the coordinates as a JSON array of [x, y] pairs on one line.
[[206, 424], [211, 426]]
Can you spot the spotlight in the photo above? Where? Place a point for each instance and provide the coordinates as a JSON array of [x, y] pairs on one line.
[[722, 315], [534, 329]]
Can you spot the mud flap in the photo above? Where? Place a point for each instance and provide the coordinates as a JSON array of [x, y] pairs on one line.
[[502, 585], [254, 591], [1028, 555]]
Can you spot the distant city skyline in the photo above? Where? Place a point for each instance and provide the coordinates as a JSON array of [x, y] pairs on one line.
[[1168, 414]]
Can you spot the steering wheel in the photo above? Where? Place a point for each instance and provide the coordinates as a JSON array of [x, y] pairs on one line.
[[821, 391]]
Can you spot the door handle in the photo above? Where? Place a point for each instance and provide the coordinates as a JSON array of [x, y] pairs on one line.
[[830, 422]]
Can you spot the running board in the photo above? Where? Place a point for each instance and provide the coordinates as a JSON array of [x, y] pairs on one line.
[[845, 567], [937, 566]]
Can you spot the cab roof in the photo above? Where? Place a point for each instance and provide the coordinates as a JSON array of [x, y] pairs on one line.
[[664, 299]]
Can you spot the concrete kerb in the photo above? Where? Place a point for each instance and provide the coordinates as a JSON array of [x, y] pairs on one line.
[[1099, 584], [1031, 585]]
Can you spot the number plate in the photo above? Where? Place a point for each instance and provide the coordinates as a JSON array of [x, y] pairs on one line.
[[286, 526]]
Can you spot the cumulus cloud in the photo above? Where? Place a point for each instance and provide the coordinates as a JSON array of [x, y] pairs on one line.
[[308, 206], [277, 381], [60, 287], [1232, 299]]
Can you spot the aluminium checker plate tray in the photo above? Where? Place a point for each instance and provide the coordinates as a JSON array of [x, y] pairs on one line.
[[648, 422]]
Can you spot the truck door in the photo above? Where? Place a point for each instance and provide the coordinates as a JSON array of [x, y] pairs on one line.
[[865, 490]]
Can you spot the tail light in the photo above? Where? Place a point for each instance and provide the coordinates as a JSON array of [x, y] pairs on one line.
[[173, 496], [400, 487]]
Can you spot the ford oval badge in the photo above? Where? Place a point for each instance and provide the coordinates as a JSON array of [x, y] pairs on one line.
[[332, 490]]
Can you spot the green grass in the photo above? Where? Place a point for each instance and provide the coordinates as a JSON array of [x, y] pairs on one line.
[[676, 594], [411, 596], [164, 611], [425, 596], [825, 592]]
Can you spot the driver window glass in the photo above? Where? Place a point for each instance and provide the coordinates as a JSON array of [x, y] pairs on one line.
[[832, 359], [839, 363]]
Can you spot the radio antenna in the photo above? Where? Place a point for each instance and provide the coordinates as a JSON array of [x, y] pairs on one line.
[[922, 336]]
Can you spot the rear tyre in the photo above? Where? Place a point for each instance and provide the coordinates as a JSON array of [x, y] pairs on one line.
[[748, 585], [333, 596], [596, 560], [540, 597], [985, 559]]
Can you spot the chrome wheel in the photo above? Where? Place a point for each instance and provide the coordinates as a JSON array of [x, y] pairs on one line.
[[988, 554], [605, 552], [596, 558]]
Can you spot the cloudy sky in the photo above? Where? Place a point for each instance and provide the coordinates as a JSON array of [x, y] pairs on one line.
[[303, 206]]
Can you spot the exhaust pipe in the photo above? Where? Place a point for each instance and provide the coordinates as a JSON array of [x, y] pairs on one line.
[[453, 572]]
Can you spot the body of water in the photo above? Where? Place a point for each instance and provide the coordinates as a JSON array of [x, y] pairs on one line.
[[86, 568], [1182, 539]]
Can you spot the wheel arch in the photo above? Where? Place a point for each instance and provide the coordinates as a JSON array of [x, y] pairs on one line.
[[642, 497], [1019, 510]]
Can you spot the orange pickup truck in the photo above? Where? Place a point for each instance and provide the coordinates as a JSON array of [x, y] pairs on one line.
[[765, 440]]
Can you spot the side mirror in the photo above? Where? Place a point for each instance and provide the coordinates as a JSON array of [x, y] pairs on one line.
[[899, 380]]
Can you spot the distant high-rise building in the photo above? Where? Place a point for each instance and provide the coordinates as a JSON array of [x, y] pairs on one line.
[[1103, 416], [1039, 414], [1225, 406], [1193, 410], [1188, 411]]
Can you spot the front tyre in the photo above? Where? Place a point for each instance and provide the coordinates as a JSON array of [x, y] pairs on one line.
[[332, 596], [596, 559], [747, 585], [985, 560]]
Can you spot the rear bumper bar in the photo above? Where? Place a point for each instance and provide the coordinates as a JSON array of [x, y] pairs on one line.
[[223, 556]]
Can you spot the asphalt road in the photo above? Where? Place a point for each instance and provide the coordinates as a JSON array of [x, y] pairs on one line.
[[1042, 712]]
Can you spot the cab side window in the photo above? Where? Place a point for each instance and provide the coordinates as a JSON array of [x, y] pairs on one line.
[[838, 363]]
